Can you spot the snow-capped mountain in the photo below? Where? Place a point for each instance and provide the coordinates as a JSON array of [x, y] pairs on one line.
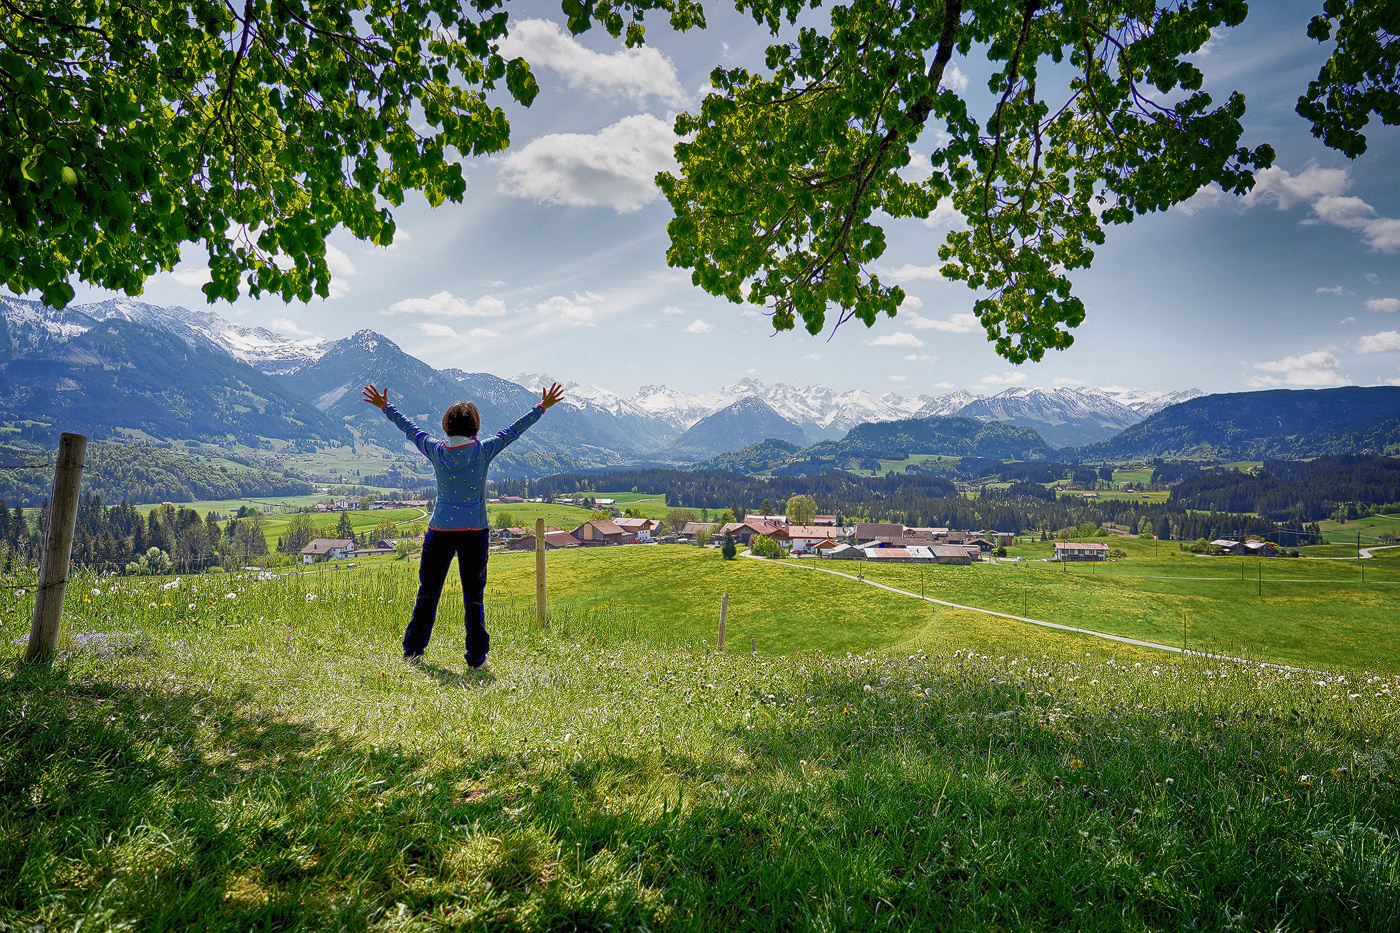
[[264, 350], [31, 324], [1146, 403]]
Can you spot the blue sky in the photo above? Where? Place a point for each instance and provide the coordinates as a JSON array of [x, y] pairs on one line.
[[555, 262]]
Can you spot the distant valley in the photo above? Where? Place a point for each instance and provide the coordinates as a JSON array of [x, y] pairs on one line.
[[127, 370]]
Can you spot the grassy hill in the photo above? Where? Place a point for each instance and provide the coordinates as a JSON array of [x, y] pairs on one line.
[[262, 760]]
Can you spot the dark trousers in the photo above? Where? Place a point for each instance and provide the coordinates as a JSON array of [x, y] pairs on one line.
[[469, 546]]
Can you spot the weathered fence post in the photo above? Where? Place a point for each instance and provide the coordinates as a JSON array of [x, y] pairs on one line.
[[58, 547], [723, 615], [539, 573]]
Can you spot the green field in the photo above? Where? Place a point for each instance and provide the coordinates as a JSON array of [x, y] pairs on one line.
[[236, 754], [1370, 529]]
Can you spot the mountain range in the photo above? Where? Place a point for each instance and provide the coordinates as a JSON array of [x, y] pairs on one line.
[[124, 367]]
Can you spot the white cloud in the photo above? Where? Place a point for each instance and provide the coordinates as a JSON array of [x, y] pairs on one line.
[[1382, 234], [338, 262], [1285, 189], [1348, 320], [910, 304], [288, 326], [613, 168], [1387, 341], [1318, 368], [633, 73], [898, 378], [433, 329], [1207, 196], [920, 358], [568, 312], [192, 278], [1340, 291], [1066, 381], [812, 356], [956, 324], [946, 216], [1004, 379], [445, 304], [954, 79], [750, 312], [496, 283], [482, 333], [698, 326], [897, 339], [1388, 305], [908, 272], [672, 309]]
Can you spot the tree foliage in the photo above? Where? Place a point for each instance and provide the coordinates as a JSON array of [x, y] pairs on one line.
[[254, 128], [1095, 115]]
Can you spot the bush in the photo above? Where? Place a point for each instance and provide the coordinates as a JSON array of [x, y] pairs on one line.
[[764, 546]]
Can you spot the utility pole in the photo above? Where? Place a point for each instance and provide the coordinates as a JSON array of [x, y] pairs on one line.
[[58, 548]]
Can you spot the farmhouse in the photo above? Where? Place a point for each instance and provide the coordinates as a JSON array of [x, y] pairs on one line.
[[553, 540], [950, 554], [900, 555], [804, 539], [877, 533], [601, 532], [327, 549], [1065, 550], [641, 528], [689, 530], [842, 552]]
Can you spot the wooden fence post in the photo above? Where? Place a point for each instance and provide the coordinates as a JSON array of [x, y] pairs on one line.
[[723, 614], [539, 573], [58, 548]]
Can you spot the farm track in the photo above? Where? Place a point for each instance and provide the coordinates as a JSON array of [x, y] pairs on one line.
[[1121, 639]]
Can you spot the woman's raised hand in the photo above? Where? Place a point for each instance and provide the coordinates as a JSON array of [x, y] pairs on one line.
[[551, 395], [376, 398]]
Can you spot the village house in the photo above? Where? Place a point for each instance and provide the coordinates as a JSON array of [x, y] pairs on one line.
[[878, 533], [823, 519], [804, 539], [1065, 550], [1229, 546], [641, 528], [689, 530], [743, 532], [1260, 548], [899, 555], [950, 554], [327, 549], [553, 540], [602, 532]]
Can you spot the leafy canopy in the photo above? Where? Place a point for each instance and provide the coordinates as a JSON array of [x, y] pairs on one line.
[[255, 128], [1093, 116]]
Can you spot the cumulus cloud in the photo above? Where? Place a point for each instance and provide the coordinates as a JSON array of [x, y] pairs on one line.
[[613, 168], [920, 358], [1004, 379], [1382, 234], [1348, 320], [1340, 291], [288, 326], [632, 73], [1318, 368], [672, 309], [954, 79], [897, 339], [1285, 189], [955, 324], [898, 378], [482, 333], [192, 278], [433, 329], [338, 262], [1207, 196], [945, 216], [446, 304], [1387, 341], [567, 312], [698, 326], [909, 272], [1388, 305]]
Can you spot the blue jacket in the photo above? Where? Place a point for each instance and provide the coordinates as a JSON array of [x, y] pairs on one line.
[[460, 465]]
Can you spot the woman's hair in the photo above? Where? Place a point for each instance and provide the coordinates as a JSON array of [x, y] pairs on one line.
[[461, 420]]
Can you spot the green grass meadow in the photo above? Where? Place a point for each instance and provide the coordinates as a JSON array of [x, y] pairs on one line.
[[248, 752]]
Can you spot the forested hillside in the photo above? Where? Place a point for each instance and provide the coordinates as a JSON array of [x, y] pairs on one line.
[[140, 474], [1292, 490]]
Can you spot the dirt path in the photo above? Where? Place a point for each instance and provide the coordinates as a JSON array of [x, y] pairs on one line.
[[1121, 639]]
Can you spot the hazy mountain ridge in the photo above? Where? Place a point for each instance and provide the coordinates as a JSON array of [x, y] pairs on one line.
[[1277, 423]]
